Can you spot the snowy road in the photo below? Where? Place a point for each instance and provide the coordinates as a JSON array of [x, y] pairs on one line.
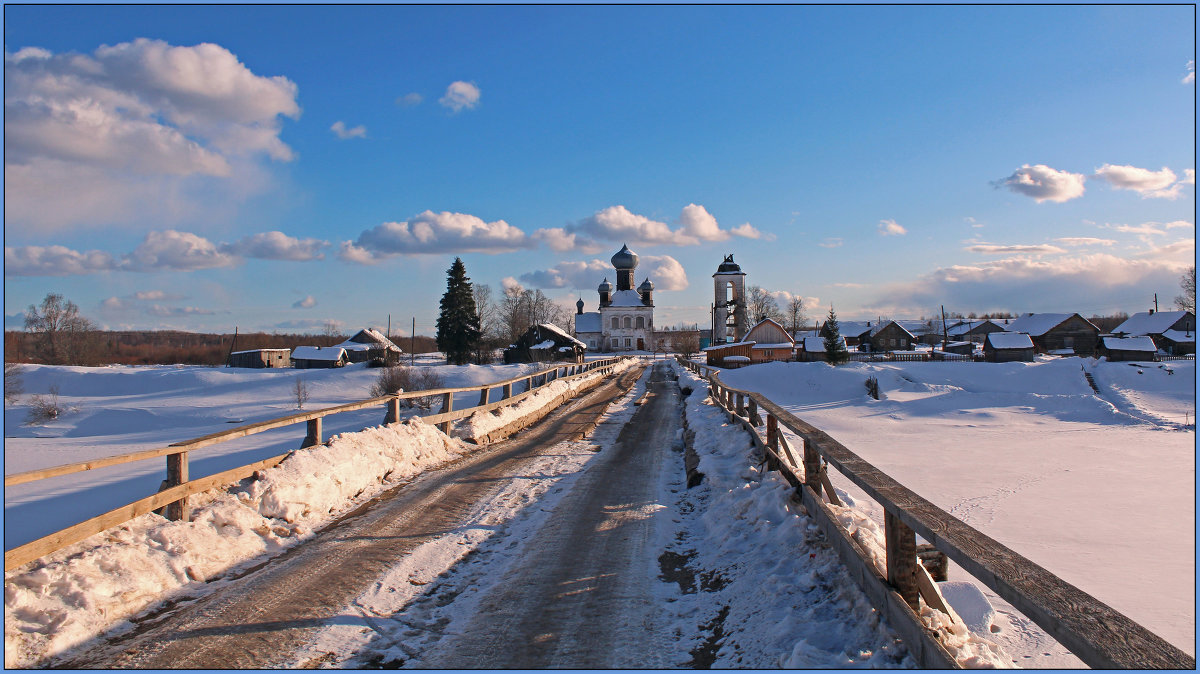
[[260, 619]]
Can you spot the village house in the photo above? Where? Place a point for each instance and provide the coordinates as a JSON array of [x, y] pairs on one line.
[[1173, 332], [1127, 348], [545, 342], [973, 330], [371, 346], [1004, 347], [1058, 334], [771, 342], [312, 357], [888, 336], [260, 358], [812, 349]]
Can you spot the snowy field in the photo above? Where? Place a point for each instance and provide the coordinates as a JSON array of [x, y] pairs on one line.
[[1097, 488]]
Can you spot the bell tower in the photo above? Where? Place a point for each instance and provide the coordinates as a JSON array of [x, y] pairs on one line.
[[729, 303]]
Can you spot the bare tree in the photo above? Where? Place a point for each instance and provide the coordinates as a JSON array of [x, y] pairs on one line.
[[686, 343], [485, 309], [14, 384], [1187, 301], [300, 389], [61, 335], [761, 304], [331, 333], [795, 310]]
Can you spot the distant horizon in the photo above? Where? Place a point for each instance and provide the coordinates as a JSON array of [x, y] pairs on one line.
[[278, 168]]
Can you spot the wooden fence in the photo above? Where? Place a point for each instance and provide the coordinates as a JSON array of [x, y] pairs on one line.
[[178, 487], [1098, 635]]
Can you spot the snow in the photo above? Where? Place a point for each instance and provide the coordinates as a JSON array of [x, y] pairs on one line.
[[781, 345], [970, 604], [587, 322], [548, 344], [737, 359], [1150, 322], [1009, 340], [626, 298], [1181, 336], [318, 353], [1142, 343], [726, 345], [1037, 324], [262, 351], [1029, 454]]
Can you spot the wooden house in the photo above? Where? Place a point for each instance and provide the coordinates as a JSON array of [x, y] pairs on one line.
[[771, 341], [311, 357], [1004, 347], [260, 358], [1173, 332], [371, 346], [855, 333], [812, 349], [543, 343], [1127, 348], [972, 330], [1058, 334], [888, 336], [954, 348]]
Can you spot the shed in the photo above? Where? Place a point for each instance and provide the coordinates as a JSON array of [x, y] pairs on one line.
[[371, 345], [1003, 347], [1127, 348], [310, 357], [261, 358], [1059, 334], [814, 349], [545, 342], [719, 355], [957, 348]]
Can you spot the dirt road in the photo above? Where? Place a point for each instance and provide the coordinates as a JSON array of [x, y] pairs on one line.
[[262, 618]]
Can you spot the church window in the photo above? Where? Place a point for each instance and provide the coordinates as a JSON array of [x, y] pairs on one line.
[[615, 342], [628, 343], [641, 321], [628, 324], [616, 322]]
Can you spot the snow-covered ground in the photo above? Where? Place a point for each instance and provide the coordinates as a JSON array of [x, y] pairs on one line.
[[1097, 488]]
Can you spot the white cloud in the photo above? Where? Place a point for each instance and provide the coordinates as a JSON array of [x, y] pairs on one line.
[[996, 249], [101, 137], [306, 303], [1158, 184], [310, 326], [340, 130], [663, 270], [434, 233], [1190, 77], [891, 228], [167, 312], [1081, 241], [409, 100], [1144, 229], [277, 246], [460, 95], [1043, 183], [54, 261], [176, 251], [831, 242], [560, 240], [618, 223]]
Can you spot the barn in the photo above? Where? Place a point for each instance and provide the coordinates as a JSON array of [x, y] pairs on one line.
[[371, 346], [1127, 348], [771, 342], [545, 342], [260, 358], [1005, 347], [312, 357], [1058, 334]]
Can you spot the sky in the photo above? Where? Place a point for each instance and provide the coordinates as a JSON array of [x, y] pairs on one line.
[[279, 168]]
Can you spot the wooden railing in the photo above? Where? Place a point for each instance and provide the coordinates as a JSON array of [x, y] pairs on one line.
[[177, 487], [1097, 634]]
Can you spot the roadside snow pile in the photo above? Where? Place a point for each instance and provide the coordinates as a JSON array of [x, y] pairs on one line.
[[836, 622], [481, 423], [97, 585]]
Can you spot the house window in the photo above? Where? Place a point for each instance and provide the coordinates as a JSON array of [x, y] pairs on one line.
[[628, 323], [641, 321], [616, 322]]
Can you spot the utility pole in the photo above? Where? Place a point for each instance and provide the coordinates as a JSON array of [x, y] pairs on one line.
[[1156, 303], [945, 332], [412, 344], [389, 332]]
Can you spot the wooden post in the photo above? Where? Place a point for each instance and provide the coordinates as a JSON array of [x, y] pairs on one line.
[[902, 559], [812, 467], [529, 384], [483, 395], [393, 411], [314, 433], [507, 392], [177, 474], [755, 420], [447, 406], [741, 405], [773, 433]]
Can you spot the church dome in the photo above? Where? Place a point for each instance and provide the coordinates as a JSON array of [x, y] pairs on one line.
[[605, 287], [646, 286], [729, 266], [625, 259]]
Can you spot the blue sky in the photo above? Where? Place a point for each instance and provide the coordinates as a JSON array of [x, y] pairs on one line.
[[275, 168]]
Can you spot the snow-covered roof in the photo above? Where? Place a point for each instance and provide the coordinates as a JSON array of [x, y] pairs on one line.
[[854, 328], [370, 338], [1147, 323], [783, 345], [817, 344], [589, 322], [318, 353], [725, 346], [259, 351], [548, 344], [559, 332], [626, 298], [963, 327], [880, 325], [1037, 324], [1140, 343], [1180, 336], [737, 359], [355, 346], [1010, 340]]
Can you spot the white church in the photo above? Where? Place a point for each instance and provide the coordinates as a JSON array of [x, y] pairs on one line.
[[625, 321]]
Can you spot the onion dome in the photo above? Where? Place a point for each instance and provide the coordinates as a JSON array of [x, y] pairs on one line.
[[579, 306], [646, 286], [625, 259], [605, 287], [729, 266]]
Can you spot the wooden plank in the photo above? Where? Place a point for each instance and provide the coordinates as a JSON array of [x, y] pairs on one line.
[[67, 469], [177, 474], [24, 554], [901, 559], [833, 498], [1096, 633]]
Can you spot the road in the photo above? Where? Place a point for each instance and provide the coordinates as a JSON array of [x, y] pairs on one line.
[[262, 618]]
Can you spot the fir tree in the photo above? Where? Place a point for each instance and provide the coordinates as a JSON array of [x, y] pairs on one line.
[[458, 330], [835, 347]]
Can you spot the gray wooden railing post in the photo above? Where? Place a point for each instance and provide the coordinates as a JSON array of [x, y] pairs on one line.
[[393, 411], [483, 395], [177, 474], [741, 405], [812, 466], [755, 420], [314, 433], [773, 433], [902, 559], [447, 406], [507, 392]]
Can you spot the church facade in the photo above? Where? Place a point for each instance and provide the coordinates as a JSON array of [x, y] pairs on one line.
[[625, 317]]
